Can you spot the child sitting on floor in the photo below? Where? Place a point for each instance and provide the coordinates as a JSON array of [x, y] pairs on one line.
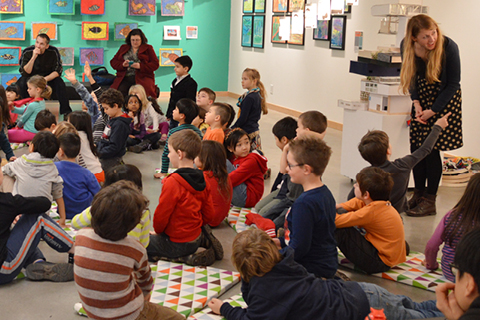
[[5, 122], [383, 245], [216, 118], [205, 98], [199, 121], [13, 94], [45, 120], [122, 287], [138, 130]]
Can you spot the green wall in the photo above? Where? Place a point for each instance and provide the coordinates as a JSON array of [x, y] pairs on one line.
[[209, 52]]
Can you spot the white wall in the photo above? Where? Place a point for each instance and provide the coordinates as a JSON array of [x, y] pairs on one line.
[[315, 77]]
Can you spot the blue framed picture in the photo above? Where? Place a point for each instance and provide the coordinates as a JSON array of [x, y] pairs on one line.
[[10, 56], [258, 34], [247, 22], [61, 7], [12, 30], [10, 78], [123, 29]]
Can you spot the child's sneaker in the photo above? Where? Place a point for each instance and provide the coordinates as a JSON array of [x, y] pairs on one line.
[[202, 258], [78, 307], [210, 241], [56, 272]]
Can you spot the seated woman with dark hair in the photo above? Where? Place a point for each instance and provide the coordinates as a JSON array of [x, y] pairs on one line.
[[135, 63]]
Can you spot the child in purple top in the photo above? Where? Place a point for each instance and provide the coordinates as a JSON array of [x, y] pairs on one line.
[[459, 221], [137, 126]]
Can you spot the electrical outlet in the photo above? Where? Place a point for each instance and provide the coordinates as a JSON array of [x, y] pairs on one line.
[[271, 89]]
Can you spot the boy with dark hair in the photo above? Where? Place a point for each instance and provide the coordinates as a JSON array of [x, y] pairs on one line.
[[184, 207], [79, 184], [126, 283], [184, 113], [216, 118], [205, 98], [35, 174], [45, 120], [274, 286], [383, 244], [183, 86], [310, 223], [112, 145]]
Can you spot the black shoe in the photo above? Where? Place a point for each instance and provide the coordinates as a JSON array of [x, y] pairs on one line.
[[210, 241], [56, 272], [202, 258]]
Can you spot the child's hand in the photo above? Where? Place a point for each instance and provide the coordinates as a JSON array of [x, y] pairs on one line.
[[12, 159], [61, 222], [446, 301], [70, 75], [160, 175], [215, 305], [443, 121], [87, 70], [277, 243], [147, 297], [131, 115], [131, 136]]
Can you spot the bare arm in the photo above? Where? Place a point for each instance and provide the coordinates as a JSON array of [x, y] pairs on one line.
[[52, 76], [29, 66], [61, 211]]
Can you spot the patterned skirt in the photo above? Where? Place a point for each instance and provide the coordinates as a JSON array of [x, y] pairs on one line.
[[451, 138]]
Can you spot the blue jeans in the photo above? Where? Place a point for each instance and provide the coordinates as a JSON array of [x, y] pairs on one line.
[[23, 241], [398, 307], [239, 196]]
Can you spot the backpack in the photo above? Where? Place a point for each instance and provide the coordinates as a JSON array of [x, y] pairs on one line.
[[102, 76]]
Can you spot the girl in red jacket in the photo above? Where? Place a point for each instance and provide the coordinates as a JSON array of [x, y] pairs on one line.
[[212, 160], [246, 169]]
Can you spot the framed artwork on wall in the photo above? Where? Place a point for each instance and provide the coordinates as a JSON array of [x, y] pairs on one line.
[[248, 6], [122, 29], [280, 6], [48, 28], [168, 56], [67, 54], [296, 5], [297, 29], [11, 6], [142, 7], [94, 30], [347, 8], [61, 7], [10, 56], [171, 33], [276, 38], [259, 6], [12, 30], [337, 32], [192, 32], [94, 56], [92, 7], [247, 22], [258, 37], [322, 31], [11, 78], [173, 7]]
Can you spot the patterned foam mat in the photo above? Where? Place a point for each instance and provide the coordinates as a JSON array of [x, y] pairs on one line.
[[236, 218], [207, 313]]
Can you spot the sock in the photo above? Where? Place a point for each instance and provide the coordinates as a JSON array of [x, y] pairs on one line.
[[262, 223]]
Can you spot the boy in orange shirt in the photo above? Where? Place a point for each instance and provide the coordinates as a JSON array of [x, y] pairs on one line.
[[216, 118], [383, 245]]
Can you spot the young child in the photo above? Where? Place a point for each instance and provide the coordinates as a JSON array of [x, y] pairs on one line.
[[38, 91], [185, 205], [184, 113], [137, 126], [183, 86], [88, 153], [217, 117], [13, 94], [310, 223], [199, 121], [5, 121], [246, 169], [376, 149], [35, 173], [205, 98], [79, 184], [121, 286], [274, 286], [111, 147], [213, 161], [383, 245], [454, 225], [45, 120], [252, 104], [121, 172]]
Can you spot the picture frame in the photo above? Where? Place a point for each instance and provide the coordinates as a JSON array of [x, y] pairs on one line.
[[171, 33], [280, 6], [297, 38], [347, 8], [258, 32], [260, 6], [248, 6], [174, 8], [12, 30], [10, 56], [247, 30], [61, 7], [167, 57], [322, 31], [142, 8], [94, 56], [296, 5], [338, 32], [47, 27], [122, 29], [10, 78], [191, 32], [12, 6], [68, 55], [275, 37], [92, 7], [93, 30]]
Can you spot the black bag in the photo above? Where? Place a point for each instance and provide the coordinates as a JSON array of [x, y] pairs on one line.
[[102, 77]]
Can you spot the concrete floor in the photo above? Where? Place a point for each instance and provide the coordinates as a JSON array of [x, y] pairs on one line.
[[25, 299]]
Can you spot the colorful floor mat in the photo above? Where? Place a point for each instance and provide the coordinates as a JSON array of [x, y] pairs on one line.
[[188, 289], [207, 313], [410, 272], [16, 146], [236, 218]]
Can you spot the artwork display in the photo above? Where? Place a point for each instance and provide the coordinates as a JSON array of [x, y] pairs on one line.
[[95, 7], [296, 5], [171, 33], [48, 28], [247, 22], [280, 6], [9, 79], [94, 56], [94, 30], [168, 57], [297, 29], [322, 31], [259, 6], [337, 34], [347, 7], [64, 7], [248, 6], [276, 38], [10, 56], [12, 30], [192, 32], [123, 29], [337, 6], [173, 7], [142, 7], [67, 55], [11, 6], [324, 10], [258, 31]]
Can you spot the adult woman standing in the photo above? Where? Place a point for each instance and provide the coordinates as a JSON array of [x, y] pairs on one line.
[[135, 63], [431, 73]]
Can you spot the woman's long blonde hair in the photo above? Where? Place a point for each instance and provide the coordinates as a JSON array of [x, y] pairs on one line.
[[434, 57], [255, 75]]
